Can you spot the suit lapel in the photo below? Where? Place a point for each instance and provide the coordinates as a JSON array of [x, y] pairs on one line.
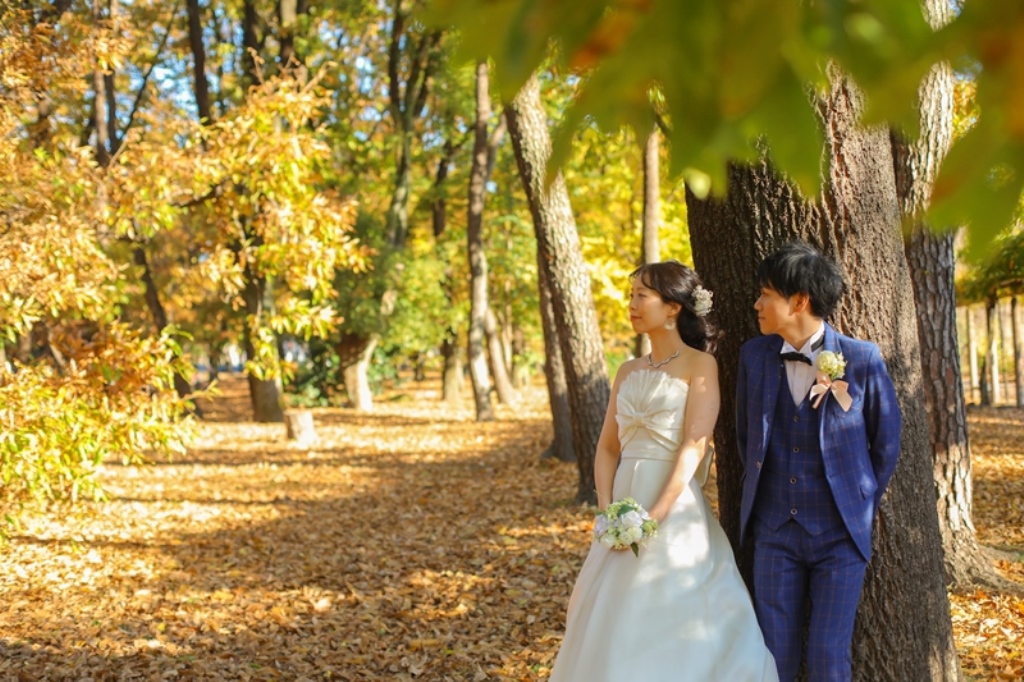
[[772, 369], [831, 344]]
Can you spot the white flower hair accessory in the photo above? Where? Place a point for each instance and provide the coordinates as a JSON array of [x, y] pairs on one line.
[[701, 301]]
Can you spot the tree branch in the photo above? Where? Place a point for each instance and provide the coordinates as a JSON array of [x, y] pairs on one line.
[[145, 79]]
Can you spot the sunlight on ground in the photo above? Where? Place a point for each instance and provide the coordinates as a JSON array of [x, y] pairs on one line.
[[410, 543]]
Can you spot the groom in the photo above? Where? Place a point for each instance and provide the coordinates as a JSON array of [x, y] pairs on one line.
[[819, 441]]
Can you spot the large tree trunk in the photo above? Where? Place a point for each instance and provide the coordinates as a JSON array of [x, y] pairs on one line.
[[477, 257], [931, 258], [903, 626], [554, 372], [558, 251]]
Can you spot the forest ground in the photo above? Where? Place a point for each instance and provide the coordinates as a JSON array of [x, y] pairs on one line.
[[410, 543]]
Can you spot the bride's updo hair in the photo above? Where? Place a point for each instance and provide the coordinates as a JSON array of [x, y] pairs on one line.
[[677, 283]]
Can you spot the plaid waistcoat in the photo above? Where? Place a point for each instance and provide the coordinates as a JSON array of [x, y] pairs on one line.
[[793, 484]]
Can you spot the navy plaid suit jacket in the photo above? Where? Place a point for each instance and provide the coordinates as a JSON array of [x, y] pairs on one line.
[[859, 447]]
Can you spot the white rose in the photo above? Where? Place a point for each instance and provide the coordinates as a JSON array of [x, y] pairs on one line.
[[631, 519]]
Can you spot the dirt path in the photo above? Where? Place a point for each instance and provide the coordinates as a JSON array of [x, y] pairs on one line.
[[412, 543]]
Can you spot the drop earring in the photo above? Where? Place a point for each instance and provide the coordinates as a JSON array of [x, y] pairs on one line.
[[671, 324]]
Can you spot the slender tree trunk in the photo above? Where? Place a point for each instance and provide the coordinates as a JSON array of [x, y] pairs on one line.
[[972, 350], [477, 257], [496, 356], [990, 394], [1018, 352], [652, 198], [250, 43], [561, 447], [264, 394], [558, 251], [903, 627], [354, 355], [23, 348], [288, 13], [398, 209], [99, 90], [652, 216], [200, 83], [1005, 342], [451, 383], [158, 313]]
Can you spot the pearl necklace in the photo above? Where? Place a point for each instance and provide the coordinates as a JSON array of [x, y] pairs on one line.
[[652, 363]]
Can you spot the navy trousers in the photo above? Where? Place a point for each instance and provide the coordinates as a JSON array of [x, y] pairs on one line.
[[794, 569]]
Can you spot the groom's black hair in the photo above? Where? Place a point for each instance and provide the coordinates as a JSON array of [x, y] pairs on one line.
[[799, 268]]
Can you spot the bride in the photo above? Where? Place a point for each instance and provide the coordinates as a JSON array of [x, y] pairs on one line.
[[680, 610]]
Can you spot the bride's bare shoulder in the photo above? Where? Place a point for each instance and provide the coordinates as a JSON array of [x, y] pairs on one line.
[[700, 364], [627, 368]]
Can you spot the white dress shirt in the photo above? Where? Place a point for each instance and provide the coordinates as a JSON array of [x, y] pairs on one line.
[[801, 376]]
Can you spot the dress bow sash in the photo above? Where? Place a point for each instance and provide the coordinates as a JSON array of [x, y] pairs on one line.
[[659, 420]]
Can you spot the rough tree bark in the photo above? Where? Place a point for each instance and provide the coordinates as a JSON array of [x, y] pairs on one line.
[[931, 257], [561, 447], [903, 627], [559, 255]]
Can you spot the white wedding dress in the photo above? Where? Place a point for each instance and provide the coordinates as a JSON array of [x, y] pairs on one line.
[[680, 611]]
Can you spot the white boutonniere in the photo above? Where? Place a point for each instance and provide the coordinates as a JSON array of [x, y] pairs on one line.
[[831, 366]]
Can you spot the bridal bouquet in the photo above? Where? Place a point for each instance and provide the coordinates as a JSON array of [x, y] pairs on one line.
[[624, 524]]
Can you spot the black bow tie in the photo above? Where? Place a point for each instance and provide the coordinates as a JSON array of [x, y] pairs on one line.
[[795, 357], [800, 357]]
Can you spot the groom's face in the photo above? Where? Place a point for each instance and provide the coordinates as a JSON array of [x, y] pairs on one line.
[[775, 313]]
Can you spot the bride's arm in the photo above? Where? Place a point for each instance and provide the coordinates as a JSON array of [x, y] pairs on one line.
[[606, 459], [702, 405]]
